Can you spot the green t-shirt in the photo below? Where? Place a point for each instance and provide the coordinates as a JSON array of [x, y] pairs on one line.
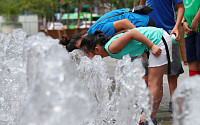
[[191, 9], [135, 48]]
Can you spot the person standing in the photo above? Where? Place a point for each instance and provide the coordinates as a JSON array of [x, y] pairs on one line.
[[164, 17], [190, 25]]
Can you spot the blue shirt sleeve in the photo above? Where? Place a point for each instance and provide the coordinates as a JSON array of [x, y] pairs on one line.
[[177, 1], [108, 29]]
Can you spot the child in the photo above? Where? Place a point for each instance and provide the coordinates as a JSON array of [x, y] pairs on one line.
[[110, 26], [192, 37], [135, 42], [165, 18]]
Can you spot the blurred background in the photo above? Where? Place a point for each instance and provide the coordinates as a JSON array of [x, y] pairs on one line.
[[60, 17], [38, 15]]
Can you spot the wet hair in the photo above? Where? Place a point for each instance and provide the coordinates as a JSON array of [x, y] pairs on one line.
[[70, 44], [90, 41]]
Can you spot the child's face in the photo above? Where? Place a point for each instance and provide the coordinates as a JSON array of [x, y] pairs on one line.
[[90, 54], [99, 50]]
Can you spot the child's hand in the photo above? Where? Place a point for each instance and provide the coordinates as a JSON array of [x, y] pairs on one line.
[[187, 28], [156, 51], [175, 31], [194, 25]]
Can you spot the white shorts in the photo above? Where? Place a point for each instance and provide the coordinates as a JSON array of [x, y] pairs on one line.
[[162, 59]]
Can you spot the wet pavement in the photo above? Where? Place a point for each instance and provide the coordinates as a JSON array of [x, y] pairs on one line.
[[163, 116]]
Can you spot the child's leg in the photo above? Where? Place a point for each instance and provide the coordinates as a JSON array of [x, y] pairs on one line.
[[157, 66], [172, 81], [145, 65], [192, 45], [155, 80], [193, 68], [155, 83]]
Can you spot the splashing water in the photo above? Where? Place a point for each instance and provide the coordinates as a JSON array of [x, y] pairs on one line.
[[95, 78], [186, 102], [130, 96], [39, 85], [13, 77], [35, 49], [57, 94], [131, 91]]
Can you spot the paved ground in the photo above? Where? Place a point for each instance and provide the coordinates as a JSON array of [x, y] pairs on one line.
[[163, 116]]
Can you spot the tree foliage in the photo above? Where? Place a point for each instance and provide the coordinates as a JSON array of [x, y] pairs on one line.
[[47, 8], [39, 6], [8, 7]]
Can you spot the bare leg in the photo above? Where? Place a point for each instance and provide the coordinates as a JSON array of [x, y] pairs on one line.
[[145, 77], [155, 80], [145, 65], [172, 81], [194, 66]]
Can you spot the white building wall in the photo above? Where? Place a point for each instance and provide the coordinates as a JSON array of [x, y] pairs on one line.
[[29, 23], [1, 20]]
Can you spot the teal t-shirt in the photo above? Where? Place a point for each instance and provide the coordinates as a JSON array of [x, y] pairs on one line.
[[135, 48]]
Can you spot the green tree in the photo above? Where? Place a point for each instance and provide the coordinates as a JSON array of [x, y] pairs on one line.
[[47, 8], [43, 8], [10, 9]]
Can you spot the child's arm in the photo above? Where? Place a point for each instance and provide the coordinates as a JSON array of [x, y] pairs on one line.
[[186, 28], [195, 22], [180, 13], [142, 2], [123, 24], [117, 45]]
